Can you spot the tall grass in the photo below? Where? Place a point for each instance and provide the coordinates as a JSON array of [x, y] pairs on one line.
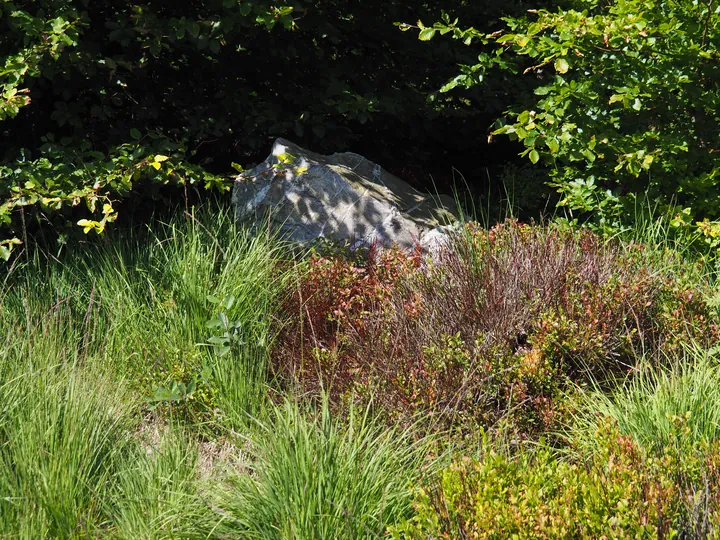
[[322, 478], [137, 303], [669, 247], [157, 491], [63, 433], [87, 337], [239, 379], [675, 406]]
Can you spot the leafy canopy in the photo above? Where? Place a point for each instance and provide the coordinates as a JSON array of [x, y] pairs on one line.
[[627, 100], [93, 92]]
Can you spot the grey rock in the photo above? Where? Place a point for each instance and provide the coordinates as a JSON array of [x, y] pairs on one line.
[[438, 239], [342, 197]]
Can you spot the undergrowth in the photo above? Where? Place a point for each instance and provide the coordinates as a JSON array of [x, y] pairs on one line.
[[194, 380], [320, 477]]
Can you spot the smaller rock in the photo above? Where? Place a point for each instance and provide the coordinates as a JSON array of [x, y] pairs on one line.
[[438, 239]]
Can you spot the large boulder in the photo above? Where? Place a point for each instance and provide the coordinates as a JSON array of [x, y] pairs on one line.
[[343, 197]]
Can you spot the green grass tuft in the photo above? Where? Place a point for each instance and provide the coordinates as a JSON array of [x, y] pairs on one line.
[[319, 477], [673, 406]]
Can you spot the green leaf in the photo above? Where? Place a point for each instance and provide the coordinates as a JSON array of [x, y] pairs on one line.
[[58, 24], [215, 323], [561, 65], [135, 134], [460, 79], [426, 34], [534, 156]]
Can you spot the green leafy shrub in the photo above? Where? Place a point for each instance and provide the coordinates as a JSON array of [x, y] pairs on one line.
[[100, 101], [617, 492], [625, 104], [499, 327], [185, 387]]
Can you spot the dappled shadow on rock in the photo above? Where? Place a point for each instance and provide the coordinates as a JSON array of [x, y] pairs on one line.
[[306, 196]]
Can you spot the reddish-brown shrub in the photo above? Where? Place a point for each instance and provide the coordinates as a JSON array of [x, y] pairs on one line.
[[496, 327], [331, 307]]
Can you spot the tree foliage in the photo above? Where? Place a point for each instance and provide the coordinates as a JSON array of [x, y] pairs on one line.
[[90, 76], [626, 103]]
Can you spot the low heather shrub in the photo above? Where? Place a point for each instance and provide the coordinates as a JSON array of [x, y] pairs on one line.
[[496, 328], [618, 492]]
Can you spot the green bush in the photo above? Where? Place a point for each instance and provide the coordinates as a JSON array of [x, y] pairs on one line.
[[104, 100], [625, 105], [617, 492]]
